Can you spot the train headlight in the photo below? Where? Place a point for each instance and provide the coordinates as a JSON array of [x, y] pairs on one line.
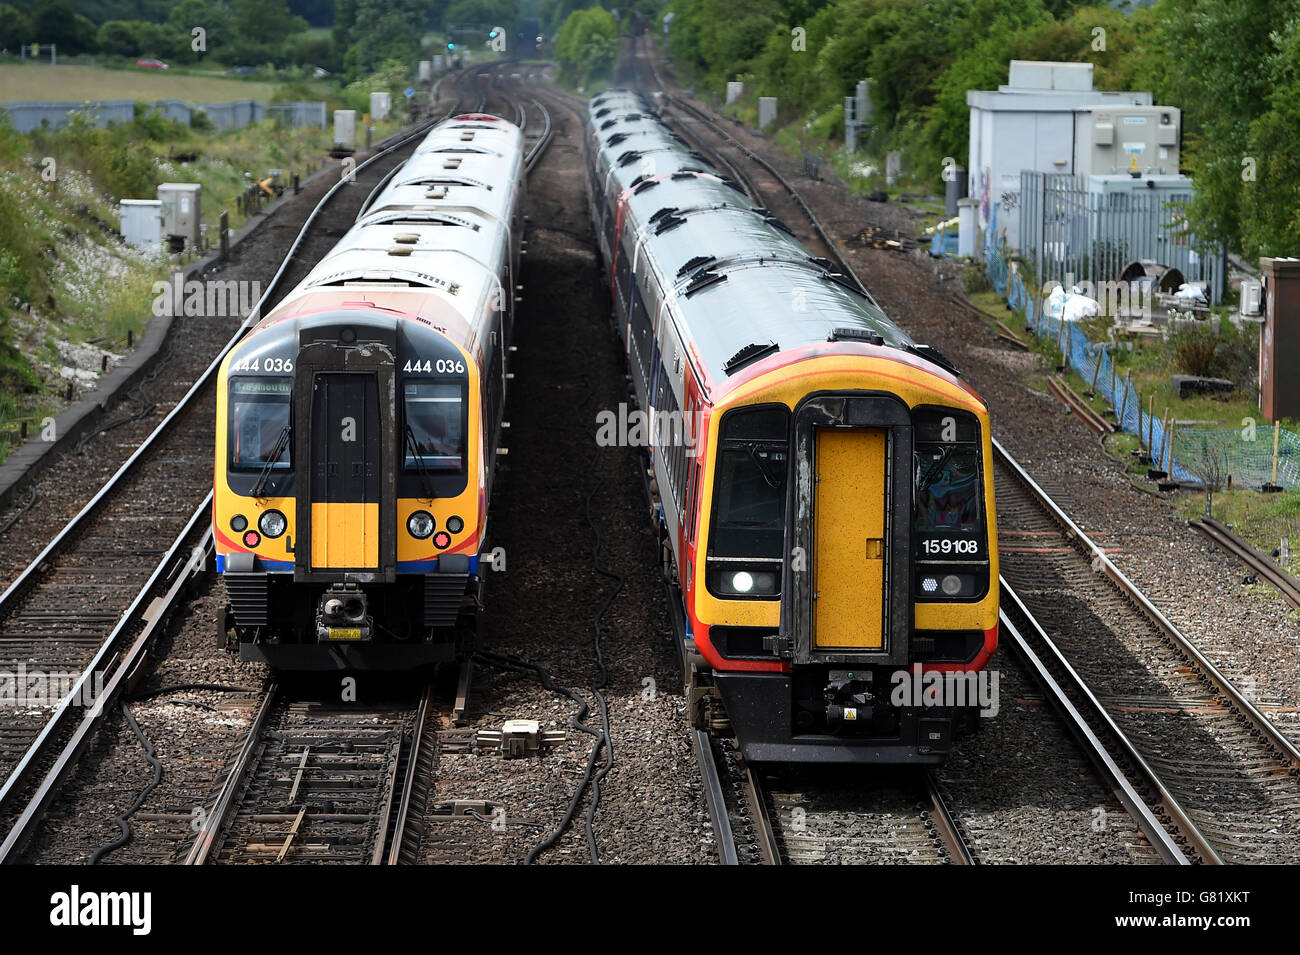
[[272, 523], [749, 582], [955, 583], [420, 524]]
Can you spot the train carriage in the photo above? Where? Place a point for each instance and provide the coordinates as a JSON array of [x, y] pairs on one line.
[[358, 423], [824, 483]]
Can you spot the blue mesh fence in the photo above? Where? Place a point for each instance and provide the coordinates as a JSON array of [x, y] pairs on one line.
[[1246, 454]]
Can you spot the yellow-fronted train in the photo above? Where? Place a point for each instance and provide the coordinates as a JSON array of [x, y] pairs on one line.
[[822, 484], [358, 423]]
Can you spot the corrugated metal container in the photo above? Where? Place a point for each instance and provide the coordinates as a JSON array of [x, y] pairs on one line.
[[345, 128], [142, 223], [181, 213]]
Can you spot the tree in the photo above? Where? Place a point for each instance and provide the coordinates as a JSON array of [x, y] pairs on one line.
[[1222, 64], [587, 45], [15, 27], [119, 37]]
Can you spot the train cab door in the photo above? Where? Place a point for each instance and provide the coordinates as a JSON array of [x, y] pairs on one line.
[[346, 470], [849, 512]]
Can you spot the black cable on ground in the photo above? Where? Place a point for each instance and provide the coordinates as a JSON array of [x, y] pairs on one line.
[[123, 821], [13, 518], [544, 678], [599, 688]]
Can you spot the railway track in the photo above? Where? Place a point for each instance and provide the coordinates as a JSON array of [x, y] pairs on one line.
[[85, 610], [1286, 585], [344, 752], [325, 782], [1223, 776]]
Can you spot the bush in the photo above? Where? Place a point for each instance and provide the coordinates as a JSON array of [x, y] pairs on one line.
[[1196, 349], [975, 280]]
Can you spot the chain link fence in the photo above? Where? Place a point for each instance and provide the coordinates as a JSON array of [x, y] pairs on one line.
[[1252, 455]]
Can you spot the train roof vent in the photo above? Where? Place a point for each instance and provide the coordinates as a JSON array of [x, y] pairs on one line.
[[822, 261], [665, 211], [451, 163], [750, 352], [412, 219], [643, 183], [436, 192], [467, 135], [629, 157], [668, 223], [855, 335], [602, 113], [930, 353], [702, 280], [608, 123], [616, 139], [694, 263], [686, 173], [406, 238], [735, 185], [632, 117], [400, 250], [776, 223]]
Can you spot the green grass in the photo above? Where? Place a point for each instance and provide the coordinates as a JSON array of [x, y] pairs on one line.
[[45, 83], [1262, 519]]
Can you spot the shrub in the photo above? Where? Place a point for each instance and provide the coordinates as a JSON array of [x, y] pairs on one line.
[[1195, 347]]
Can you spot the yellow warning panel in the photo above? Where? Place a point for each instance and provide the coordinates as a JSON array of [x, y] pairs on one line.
[[344, 535], [849, 535]]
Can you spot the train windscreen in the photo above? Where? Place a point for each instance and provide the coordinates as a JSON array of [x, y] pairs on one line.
[[259, 423]]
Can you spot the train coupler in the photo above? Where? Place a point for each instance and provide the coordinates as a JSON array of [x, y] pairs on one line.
[[341, 616]]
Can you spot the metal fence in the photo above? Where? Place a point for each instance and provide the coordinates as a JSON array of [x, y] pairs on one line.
[[1071, 234], [1252, 454], [29, 116]]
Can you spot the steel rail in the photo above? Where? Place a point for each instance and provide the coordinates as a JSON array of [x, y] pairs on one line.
[[769, 852], [1129, 590], [408, 784], [1082, 728], [958, 851], [216, 819], [110, 656], [714, 798], [1287, 585], [108, 653]]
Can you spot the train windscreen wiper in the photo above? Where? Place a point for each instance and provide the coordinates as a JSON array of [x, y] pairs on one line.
[[413, 446], [281, 444]]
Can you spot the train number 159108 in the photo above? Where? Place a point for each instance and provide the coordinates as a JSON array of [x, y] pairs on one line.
[[949, 545]]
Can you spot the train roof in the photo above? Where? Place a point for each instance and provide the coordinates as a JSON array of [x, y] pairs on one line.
[[738, 279]]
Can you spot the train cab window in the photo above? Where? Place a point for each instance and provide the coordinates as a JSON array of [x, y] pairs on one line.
[[747, 537], [948, 491], [435, 425], [259, 423]]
